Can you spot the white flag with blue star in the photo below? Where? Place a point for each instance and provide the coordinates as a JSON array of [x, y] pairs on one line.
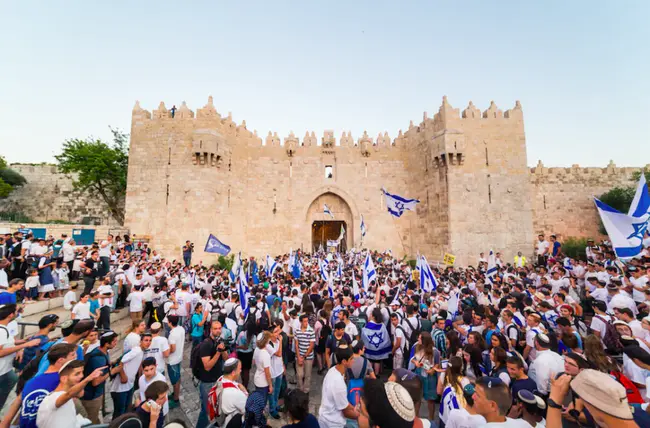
[[355, 287], [397, 204], [492, 267], [376, 340], [242, 290], [640, 206], [363, 227], [324, 270], [428, 281], [236, 266], [271, 266], [326, 210], [369, 272], [625, 232]]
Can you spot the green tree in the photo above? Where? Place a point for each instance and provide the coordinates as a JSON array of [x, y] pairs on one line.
[[101, 168], [9, 179]]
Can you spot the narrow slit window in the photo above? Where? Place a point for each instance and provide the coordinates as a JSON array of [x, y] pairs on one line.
[[167, 196], [329, 171], [169, 158], [489, 193], [487, 159]]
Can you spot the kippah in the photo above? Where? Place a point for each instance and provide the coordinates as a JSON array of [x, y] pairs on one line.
[[231, 362], [526, 396], [156, 326], [108, 333], [543, 338], [65, 365], [400, 401], [540, 402]]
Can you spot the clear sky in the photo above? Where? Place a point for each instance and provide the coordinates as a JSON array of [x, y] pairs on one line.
[[581, 69]]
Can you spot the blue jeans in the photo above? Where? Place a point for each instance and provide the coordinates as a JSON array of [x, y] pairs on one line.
[[187, 260], [204, 390], [275, 396], [121, 402]]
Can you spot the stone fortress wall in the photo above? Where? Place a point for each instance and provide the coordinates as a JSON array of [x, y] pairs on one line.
[[201, 173], [49, 195]]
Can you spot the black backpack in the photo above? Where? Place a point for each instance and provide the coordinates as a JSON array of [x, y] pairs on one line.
[[233, 314], [264, 322], [415, 333], [612, 339], [521, 337], [195, 357]]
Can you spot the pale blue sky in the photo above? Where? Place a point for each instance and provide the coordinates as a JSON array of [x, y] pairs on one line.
[[580, 68]]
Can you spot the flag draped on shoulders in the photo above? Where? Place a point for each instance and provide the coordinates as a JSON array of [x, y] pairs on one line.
[[376, 340]]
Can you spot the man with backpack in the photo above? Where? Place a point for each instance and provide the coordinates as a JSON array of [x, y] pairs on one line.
[[46, 325], [207, 366], [602, 327], [93, 397], [39, 386], [400, 343], [337, 338]]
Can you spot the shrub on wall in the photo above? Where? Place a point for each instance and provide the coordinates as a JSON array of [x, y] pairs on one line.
[[575, 247], [226, 262], [16, 217]]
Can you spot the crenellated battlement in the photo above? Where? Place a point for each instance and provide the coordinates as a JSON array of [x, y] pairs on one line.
[[609, 174]]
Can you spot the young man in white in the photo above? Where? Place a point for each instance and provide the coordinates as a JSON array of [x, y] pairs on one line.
[[57, 409], [399, 341], [135, 299], [122, 385], [106, 297], [334, 407], [231, 395], [175, 357], [159, 348], [81, 311], [150, 374]]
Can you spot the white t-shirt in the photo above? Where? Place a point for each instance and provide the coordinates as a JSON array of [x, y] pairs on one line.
[[182, 298], [351, 330], [461, 418], [68, 252], [69, 297], [105, 301], [81, 310], [262, 360], [509, 423], [541, 246], [135, 301], [143, 384], [398, 333], [131, 341], [333, 401], [158, 346], [105, 251], [131, 361], [49, 416], [277, 366], [176, 337], [6, 341], [598, 325]]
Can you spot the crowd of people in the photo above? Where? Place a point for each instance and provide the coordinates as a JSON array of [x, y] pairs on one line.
[[551, 341]]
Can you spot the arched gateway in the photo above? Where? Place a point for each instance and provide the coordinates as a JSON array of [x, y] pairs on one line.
[[324, 228]]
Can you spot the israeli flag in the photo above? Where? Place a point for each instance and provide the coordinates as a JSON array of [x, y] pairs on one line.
[[452, 307], [363, 227], [236, 266], [342, 234], [567, 264], [376, 340], [330, 288], [254, 272], [296, 268], [625, 232], [324, 270], [326, 210], [397, 204], [215, 246], [492, 267], [291, 260], [428, 281], [355, 287], [271, 266], [244, 294], [640, 206], [369, 272]]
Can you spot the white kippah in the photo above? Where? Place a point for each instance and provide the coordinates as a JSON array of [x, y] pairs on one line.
[[231, 362], [400, 400]]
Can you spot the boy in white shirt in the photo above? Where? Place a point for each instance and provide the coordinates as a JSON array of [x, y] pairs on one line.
[[81, 310], [31, 285], [135, 299], [69, 299], [150, 374]]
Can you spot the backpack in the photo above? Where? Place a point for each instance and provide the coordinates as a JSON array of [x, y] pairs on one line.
[[521, 337], [405, 345], [233, 314], [264, 322], [214, 401], [631, 390], [355, 385], [30, 370], [581, 327], [427, 325], [195, 358], [612, 339], [415, 332], [360, 322], [30, 353]]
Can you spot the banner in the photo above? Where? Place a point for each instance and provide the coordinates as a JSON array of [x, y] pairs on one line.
[[449, 259]]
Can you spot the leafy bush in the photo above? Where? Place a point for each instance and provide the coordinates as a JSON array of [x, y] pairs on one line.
[[574, 247], [226, 262], [412, 263], [12, 177]]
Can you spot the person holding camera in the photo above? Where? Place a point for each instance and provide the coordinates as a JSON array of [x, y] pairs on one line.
[[188, 249], [213, 353]]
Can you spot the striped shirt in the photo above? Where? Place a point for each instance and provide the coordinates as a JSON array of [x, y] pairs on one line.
[[305, 338]]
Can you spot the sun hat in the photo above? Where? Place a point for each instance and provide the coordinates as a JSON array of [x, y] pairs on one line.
[[604, 393]]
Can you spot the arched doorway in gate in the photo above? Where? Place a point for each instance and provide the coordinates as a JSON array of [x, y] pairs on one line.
[[326, 228]]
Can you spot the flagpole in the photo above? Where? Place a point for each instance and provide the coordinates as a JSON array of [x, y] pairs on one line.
[[399, 235]]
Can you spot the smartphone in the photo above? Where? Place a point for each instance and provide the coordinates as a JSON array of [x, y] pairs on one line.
[[444, 364], [153, 404]]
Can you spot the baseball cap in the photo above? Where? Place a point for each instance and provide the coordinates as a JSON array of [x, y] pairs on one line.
[[404, 374], [603, 392]]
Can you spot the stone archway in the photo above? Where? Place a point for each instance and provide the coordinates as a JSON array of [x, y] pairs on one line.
[[328, 227]]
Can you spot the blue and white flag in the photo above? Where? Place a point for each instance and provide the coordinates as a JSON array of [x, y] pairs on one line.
[[271, 266], [428, 281], [492, 267], [215, 246], [254, 272], [452, 307], [326, 210], [397, 204], [342, 234], [324, 269], [363, 227], [640, 206], [625, 232], [376, 340], [236, 266], [567, 264], [242, 290], [369, 272], [296, 268], [339, 268], [355, 287]]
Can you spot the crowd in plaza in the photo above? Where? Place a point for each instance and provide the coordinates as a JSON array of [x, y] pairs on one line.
[[546, 341]]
